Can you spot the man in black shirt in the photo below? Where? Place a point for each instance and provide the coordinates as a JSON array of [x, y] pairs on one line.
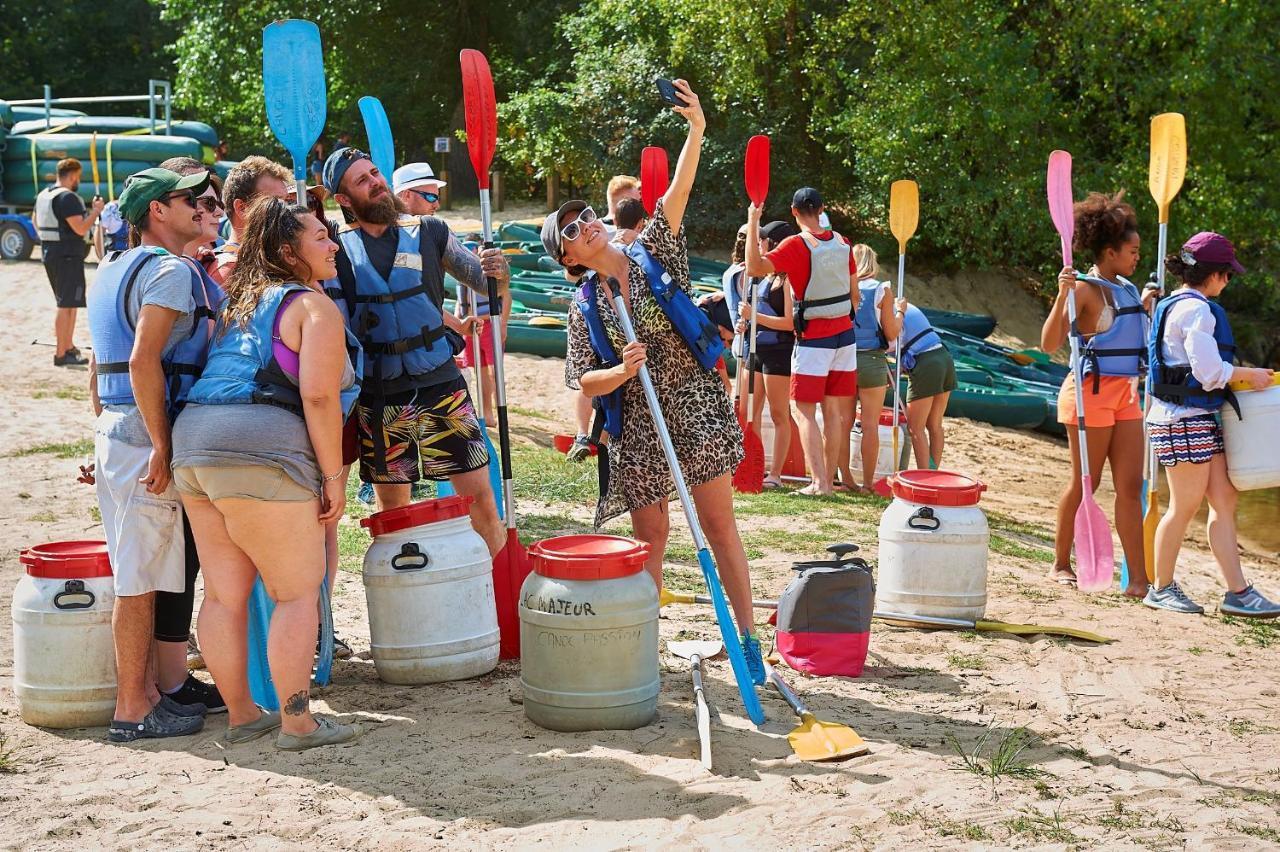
[[62, 223], [415, 417]]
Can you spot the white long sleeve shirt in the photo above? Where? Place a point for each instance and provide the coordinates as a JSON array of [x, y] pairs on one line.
[[1188, 339]]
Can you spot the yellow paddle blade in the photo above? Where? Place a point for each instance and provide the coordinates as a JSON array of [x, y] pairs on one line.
[[1244, 386], [904, 211], [817, 740], [1039, 629], [666, 596], [1168, 159], [546, 322]]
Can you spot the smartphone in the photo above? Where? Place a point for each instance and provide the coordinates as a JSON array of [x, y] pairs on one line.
[[667, 91]]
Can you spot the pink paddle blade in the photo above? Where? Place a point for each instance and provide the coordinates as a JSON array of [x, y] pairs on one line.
[[756, 170], [481, 108], [1095, 552], [654, 176], [1060, 200]]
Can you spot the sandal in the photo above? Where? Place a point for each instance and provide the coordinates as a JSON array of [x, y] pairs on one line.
[[1063, 577], [770, 483]]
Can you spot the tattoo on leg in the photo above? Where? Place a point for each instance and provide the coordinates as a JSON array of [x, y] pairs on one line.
[[297, 703]]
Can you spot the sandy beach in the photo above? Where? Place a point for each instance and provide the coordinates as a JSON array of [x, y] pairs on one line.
[[1166, 738]]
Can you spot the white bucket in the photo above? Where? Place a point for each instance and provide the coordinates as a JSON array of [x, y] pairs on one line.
[[1252, 459], [933, 547], [428, 581], [64, 662], [884, 457]]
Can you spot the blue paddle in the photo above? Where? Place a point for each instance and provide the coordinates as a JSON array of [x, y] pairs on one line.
[[382, 149], [737, 660], [293, 83], [294, 87]]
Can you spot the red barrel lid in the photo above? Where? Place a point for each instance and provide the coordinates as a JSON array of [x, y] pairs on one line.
[[67, 560], [418, 514], [937, 487], [588, 557], [886, 417]]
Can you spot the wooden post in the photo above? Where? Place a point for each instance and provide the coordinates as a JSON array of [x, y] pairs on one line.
[[553, 191], [446, 197], [495, 180]]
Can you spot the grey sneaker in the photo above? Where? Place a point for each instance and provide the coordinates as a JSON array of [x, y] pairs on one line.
[[158, 724], [264, 724], [328, 732], [580, 450], [1172, 598], [1248, 604]]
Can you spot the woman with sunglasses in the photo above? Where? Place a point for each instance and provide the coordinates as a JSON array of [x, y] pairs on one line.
[[704, 430]]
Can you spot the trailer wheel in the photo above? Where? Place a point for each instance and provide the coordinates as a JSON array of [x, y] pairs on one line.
[[15, 243]]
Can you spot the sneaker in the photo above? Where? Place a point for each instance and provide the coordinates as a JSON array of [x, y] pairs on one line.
[[195, 692], [1248, 604], [195, 659], [327, 732], [580, 449], [177, 708], [158, 723], [71, 358], [341, 650], [365, 495], [263, 725], [755, 663], [1172, 598]]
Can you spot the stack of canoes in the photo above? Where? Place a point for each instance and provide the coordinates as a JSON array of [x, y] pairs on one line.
[[998, 385]]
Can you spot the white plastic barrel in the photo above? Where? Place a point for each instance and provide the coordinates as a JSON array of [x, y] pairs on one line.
[[1252, 460], [64, 662], [933, 547], [428, 581], [589, 635], [884, 458]]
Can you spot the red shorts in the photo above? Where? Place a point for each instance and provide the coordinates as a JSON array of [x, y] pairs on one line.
[[486, 347], [824, 367]]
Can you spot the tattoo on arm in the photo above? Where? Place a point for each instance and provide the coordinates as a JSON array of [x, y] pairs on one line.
[[463, 265], [297, 703]]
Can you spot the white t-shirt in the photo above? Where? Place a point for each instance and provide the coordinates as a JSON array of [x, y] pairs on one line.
[[1188, 339]]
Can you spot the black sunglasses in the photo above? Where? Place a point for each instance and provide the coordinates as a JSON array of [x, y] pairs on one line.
[[432, 197], [209, 203], [188, 194]]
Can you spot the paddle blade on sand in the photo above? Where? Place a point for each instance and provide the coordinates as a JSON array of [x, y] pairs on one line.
[[510, 568], [814, 739], [1168, 159], [654, 176], [748, 478], [756, 169], [1095, 553]]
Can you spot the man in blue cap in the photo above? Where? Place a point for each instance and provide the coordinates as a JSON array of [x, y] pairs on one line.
[[416, 419]]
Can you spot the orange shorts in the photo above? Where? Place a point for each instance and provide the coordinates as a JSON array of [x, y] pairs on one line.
[[1116, 399]]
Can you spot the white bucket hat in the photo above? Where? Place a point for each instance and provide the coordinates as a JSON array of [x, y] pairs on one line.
[[412, 175]]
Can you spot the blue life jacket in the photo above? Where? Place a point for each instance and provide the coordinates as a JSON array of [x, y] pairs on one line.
[[918, 336], [1175, 382], [242, 366], [1122, 349], [397, 320], [866, 321], [770, 336], [730, 282], [345, 301], [698, 332], [112, 329]]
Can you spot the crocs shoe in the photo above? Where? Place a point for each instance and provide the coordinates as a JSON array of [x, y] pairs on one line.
[[157, 724], [1248, 604], [580, 450], [327, 732], [1172, 598], [755, 663], [195, 692]]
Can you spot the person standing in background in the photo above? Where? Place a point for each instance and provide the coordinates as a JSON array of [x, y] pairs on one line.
[[62, 224]]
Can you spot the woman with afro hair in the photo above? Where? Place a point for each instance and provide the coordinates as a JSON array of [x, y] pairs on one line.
[[1112, 320]]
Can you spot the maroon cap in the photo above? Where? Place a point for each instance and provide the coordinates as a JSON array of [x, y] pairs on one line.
[[1208, 247]]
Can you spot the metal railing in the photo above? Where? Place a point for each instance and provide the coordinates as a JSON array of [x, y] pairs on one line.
[[158, 93]]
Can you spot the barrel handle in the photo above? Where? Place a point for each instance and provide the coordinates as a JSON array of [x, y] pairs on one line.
[[410, 558], [924, 519], [74, 589]]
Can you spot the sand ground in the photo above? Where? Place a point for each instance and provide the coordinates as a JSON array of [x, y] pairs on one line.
[[1167, 738]]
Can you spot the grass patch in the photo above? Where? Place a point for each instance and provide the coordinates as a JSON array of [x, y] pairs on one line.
[[74, 392], [1262, 832], [1195, 650], [1019, 550], [944, 827], [966, 661], [1038, 827], [780, 503], [529, 412], [8, 763], [537, 527], [1254, 632], [546, 475], [67, 450], [1005, 758], [353, 541], [45, 517]]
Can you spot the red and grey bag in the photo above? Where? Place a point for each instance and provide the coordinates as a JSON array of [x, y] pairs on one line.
[[824, 615]]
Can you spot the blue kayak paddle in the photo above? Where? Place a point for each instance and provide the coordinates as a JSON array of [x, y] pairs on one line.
[[294, 88], [382, 149], [728, 631]]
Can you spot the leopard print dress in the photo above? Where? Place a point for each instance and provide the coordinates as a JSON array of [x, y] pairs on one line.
[[700, 418]]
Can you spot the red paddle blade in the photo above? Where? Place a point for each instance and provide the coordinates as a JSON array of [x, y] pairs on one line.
[[481, 110], [757, 169], [881, 486], [748, 478], [510, 568], [1095, 552], [654, 177], [1060, 201]]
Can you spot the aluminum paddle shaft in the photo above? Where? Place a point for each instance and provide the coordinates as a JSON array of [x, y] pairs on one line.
[[728, 631]]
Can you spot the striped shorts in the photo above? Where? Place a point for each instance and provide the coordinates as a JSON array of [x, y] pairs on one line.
[[824, 367], [1194, 440]]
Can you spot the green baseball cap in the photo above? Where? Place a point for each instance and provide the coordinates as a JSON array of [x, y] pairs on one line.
[[142, 188]]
